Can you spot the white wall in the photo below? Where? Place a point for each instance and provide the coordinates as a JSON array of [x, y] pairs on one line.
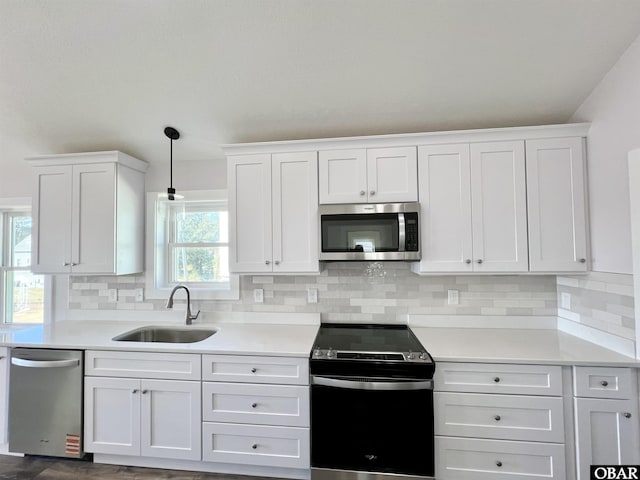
[[613, 108], [187, 175]]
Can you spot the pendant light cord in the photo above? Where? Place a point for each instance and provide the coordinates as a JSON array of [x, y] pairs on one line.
[[171, 162]]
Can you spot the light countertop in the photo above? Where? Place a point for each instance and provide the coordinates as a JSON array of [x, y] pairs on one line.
[[445, 344], [504, 345], [230, 338]]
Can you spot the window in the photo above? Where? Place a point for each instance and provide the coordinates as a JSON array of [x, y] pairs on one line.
[[21, 292], [190, 245]]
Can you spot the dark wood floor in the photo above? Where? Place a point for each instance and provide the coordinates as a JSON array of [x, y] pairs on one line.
[[47, 468]]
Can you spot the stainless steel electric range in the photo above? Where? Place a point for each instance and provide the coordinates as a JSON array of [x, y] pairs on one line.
[[371, 403]]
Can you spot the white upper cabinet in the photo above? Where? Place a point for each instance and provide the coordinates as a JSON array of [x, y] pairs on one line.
[[556, 203], [273, 206], [375, 175], [473, 204], [88, 212]]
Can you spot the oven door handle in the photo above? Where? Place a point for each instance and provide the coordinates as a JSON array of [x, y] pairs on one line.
[[366, 385]]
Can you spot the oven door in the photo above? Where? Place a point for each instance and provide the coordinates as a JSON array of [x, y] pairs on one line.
[[380, 427]]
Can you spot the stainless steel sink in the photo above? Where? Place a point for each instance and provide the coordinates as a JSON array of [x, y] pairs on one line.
[[165, 334]]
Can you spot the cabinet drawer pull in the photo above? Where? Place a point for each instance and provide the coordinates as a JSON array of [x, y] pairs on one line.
[[144, 392], [254, 446], [497, 418], [372, 192], [496, 379], [277, 262], [362, 192], [604, 383], [479, 260], [583, 260], [254, 405], [254, 369], [467, 261], [627, 415], [498, 463], [267, 262], [135, 390], [66, 264]]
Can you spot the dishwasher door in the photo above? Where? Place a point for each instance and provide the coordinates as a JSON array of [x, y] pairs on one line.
[[45, 402]]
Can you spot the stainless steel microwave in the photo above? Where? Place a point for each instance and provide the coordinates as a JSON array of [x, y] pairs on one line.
[[382, 231]]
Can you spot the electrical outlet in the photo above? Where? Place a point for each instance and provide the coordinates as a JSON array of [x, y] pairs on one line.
[[113, 295], [565, 300], [312, 295], [258, 295], [139, 295], [453, 297]]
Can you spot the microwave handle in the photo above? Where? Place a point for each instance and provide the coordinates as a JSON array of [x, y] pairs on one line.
[[401, 232]]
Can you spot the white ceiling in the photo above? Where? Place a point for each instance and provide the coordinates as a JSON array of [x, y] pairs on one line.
[[79, 75]]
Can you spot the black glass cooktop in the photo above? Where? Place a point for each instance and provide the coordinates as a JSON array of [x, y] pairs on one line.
[[370, 338]]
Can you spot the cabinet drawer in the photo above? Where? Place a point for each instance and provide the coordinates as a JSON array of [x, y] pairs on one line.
[[171, 366], [474, 459], [604, 382], [259, 404], [499, 378], [505, 417], [256, 445], [238, 368]]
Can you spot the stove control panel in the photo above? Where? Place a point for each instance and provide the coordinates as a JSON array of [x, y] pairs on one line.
[[331, 354]]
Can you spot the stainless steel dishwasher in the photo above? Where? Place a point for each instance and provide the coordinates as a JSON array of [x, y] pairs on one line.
[[45, 402]]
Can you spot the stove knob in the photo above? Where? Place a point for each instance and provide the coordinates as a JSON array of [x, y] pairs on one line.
[[317, 352], [411, 356], [330, 353], [424, 356]]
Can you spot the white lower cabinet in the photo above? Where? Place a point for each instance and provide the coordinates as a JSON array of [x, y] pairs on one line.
[[499, 421], [149, 418], [248, 421], [607, 427]]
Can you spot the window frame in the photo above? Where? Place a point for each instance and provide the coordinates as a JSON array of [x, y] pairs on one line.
[[157, 284], [18, 207]]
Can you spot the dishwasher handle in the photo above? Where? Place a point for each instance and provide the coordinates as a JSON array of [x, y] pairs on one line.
[[23, 362]]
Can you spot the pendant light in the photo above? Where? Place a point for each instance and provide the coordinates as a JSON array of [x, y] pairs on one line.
[[173, 134]]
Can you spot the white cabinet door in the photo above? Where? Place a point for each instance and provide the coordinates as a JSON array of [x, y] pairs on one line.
[[112, 415], [295, 212], [250, 237], [499, 209], [93, 218], [556, 205], [607, 433], [51, 212], [392, 175], [171, 419], [445, 208], [343, 176]]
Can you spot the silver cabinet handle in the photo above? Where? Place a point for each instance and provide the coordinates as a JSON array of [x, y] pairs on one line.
[[627, 415], [467, 261], [372, 192], [583, 260], [497, 418], [23, 362], [479, 260], [362, 192]]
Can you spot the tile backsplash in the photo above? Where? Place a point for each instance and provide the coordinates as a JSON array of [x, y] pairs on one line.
[[348, 291], [603, 301]]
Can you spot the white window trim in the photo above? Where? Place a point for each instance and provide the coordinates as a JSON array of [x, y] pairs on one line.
[[14, 204], [154, 254]]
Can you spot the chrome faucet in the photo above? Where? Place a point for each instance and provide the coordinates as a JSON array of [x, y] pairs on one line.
[[190, 318]]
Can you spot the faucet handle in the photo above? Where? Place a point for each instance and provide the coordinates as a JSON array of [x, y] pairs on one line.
[[193, 317]]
